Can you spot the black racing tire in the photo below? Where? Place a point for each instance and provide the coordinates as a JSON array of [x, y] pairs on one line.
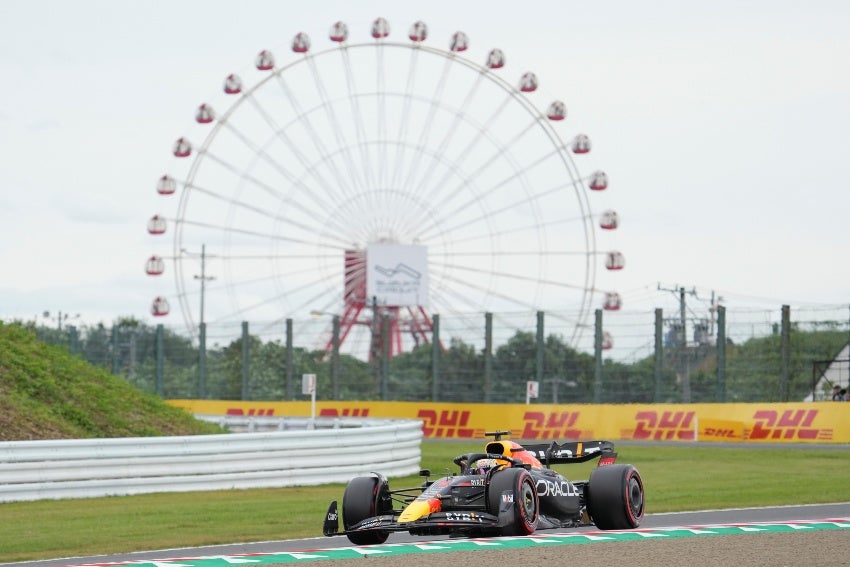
[[520, 484], [615, 497], [364, 497]]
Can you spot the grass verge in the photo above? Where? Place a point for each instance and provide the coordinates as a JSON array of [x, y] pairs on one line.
[[675, 479]]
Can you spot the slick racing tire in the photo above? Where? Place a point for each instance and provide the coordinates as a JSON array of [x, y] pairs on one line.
[[615, 498], [517, 484], [365, 497]]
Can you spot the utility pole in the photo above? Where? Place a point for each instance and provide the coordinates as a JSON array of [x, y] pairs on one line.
[[682, 310], [203, 277], [682, 346], [202, 327]]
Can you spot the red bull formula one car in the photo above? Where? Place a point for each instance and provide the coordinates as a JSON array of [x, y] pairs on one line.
[[509, 489]]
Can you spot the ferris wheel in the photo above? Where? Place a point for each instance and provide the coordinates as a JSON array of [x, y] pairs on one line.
[[382, 178]]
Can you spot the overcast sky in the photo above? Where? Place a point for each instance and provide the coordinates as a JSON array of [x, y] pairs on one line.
[[722, 125]]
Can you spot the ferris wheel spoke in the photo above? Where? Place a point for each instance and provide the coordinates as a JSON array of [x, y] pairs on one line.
[[441, 184], [404, 118], [297, 204], [339, 136], [307, 303], [273, 192], [312, 132], [527, 199], [456, 191], [380, 100], [451, 300], [501, 153], [504, 232], [357, 117], [425, 131], [442, 146], [461, 320], [488, 291], [254, 307], [500, 320], [240, 204], [507, 276], [257, 234], [269, 257], [530, 253], [292, 147]]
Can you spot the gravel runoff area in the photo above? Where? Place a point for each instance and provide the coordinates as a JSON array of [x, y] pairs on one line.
[[821, 548]]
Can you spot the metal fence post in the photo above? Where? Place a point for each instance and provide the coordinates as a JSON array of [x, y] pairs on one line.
[[290, 365], [435, 358], [721, 354], [115, 349], [488, 357], [245, 361], [786, 353], [160, 361], [75, 342], [384, 368], [597, 352], [659, 355], [202, 361], [335, 357], [538, 361]]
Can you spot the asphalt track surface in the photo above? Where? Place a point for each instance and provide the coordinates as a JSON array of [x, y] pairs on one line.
[[671, 520]]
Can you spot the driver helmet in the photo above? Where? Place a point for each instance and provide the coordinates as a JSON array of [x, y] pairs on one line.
[[482, 466]]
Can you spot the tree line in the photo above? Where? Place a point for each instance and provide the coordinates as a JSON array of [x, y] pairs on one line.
[[128, 348]]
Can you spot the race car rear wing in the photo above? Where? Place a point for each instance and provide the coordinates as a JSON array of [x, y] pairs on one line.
[[573, 452]]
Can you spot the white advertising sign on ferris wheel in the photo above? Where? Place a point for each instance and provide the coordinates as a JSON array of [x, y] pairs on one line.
[[397, 274]]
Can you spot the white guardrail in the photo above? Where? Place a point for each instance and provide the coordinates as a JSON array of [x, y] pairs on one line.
[[321, 451]]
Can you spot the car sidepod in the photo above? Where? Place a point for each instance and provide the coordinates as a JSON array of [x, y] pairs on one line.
[[560, 500], [615, 497]]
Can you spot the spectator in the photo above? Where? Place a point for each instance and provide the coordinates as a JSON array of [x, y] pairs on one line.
[[836, 394], [845, 396]]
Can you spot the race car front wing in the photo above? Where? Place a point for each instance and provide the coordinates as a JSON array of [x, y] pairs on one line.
[[436, 522]]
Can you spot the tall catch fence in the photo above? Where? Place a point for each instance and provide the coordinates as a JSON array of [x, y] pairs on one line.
[[742, 355]]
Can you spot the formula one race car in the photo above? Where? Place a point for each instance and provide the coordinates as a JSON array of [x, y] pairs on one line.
[[509, 489]]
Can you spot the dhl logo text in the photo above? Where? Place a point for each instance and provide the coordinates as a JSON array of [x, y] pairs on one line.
[[789, 425], [251, 411], [445, 423], [554, 425], [344, 412], [718, 432], [663, 426]]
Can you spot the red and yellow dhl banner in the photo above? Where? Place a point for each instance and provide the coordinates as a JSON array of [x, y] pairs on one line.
[[820, 422]]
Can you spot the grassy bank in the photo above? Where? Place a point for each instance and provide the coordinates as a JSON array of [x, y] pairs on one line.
[[675, 478], [46, 393]]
